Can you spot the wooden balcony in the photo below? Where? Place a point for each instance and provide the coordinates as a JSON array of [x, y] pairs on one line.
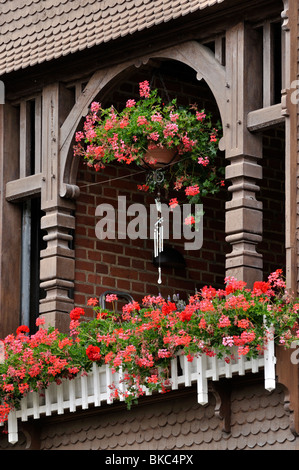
[[94, 388]]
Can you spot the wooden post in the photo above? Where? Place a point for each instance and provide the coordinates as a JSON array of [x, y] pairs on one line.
[[10, 223], [288, 359], [268, 66], [290, 110], [24, 139], [57, 266], [243, 150]]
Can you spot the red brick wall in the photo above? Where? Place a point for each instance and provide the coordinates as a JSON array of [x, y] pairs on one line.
[[126, 265]]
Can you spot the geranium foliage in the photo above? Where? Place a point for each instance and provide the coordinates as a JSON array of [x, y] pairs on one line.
[[143, 337], [126, 136]]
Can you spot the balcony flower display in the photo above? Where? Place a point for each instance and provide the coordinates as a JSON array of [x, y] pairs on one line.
[[144, 337], [143, 129]]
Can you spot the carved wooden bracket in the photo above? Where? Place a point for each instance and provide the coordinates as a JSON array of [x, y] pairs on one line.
[[31, 432], [285, 102], [285, 16], [288, 376], [70, 191], [222, 393]]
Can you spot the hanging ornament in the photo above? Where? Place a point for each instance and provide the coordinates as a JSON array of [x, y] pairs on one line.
[[158, 228], [158, 238]]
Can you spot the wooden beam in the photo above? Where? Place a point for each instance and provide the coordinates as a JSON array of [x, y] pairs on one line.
[[268, 65], [220, 49], [265, 118], [24, 139], [18, 190], [38, 135]]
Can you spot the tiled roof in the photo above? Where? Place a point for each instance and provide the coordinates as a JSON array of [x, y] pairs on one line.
[[35, 31]]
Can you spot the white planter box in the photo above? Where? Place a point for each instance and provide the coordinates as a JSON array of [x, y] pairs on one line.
[[93, 388]]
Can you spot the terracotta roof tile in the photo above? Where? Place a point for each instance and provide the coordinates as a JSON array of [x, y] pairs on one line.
[[51, 29]]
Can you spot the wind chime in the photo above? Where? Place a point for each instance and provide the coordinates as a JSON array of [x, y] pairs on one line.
[[158, 237], [158, 177]]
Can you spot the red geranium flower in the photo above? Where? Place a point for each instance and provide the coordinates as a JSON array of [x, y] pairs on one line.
[[261, 287], [22, 329], [76, 313], [93, 353]]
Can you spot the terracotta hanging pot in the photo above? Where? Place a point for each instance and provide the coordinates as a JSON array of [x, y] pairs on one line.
[[159, 157]]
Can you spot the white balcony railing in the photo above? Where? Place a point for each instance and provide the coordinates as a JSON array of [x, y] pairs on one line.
[[95, 387]]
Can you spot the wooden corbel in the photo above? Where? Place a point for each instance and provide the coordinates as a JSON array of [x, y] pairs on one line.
[[285, 102], [287, 369], [31, 432], [285, 16], [222, 393], [70, 191]]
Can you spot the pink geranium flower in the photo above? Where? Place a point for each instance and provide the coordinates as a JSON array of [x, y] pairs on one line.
[[111, 297], [130, 103], [144, 89], [192, 190], [189, 220]]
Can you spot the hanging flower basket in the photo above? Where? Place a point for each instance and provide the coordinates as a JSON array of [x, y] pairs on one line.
[[135, 134]]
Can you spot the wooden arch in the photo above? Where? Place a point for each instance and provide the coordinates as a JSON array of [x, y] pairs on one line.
[[193, 54]]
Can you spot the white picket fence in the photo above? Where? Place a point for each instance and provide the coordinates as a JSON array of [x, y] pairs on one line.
[[94, 388]]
